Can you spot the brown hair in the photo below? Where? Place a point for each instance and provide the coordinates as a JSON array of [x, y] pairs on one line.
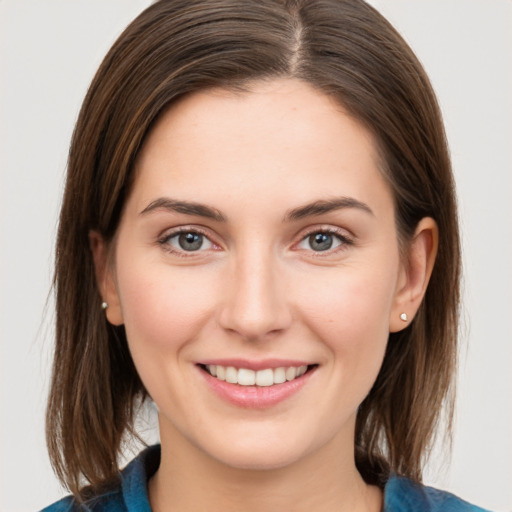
[[345, 49]]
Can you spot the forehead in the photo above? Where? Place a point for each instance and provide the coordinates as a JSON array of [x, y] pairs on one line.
[[279, 136]]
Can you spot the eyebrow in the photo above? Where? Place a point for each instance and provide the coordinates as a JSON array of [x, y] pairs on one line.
[[325, 206], [201, 210], [186, 207]]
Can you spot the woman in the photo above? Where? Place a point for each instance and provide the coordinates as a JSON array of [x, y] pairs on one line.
[[259, 234]]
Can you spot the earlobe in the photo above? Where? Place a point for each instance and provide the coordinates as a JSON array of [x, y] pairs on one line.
[[105, 279], [415, 274]]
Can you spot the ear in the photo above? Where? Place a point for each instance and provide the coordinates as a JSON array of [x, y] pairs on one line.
[[415, 273], [105, 278]]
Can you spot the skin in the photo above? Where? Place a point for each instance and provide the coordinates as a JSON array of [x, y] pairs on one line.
[[257, 289]]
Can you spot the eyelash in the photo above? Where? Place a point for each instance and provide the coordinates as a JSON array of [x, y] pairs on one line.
[[164, 241], [343, 239]]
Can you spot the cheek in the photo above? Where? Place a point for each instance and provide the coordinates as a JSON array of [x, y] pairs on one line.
[[351, 317], [163, 308], [351, 302]]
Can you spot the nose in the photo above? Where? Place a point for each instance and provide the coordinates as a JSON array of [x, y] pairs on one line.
[[256, 304]]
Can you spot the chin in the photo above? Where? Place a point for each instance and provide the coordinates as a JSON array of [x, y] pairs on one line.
[[266, 459], [261, 451]]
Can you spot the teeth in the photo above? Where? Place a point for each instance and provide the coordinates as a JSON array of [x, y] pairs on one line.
[[279, 375], [221, 373], [291, 373], [246, 377], [263, 378], [231, 375]]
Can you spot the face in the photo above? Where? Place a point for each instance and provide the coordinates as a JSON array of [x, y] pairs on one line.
[[257, 273]]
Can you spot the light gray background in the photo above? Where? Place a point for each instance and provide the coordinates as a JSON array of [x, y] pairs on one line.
[[49, 51]]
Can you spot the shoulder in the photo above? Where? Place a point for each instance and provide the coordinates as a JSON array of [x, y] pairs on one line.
[[106, 502], [404, 495], [130, 494]]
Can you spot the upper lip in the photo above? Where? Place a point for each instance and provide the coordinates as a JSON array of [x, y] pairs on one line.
[[256, 365]]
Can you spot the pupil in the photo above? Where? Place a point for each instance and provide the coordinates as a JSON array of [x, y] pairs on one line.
[[320, 241], [190, 241]]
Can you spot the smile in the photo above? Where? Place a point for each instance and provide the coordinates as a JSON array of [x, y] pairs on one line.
[[256, 385], [263, 378]]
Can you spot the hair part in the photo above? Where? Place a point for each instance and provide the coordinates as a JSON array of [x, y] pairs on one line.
[[343, 48]]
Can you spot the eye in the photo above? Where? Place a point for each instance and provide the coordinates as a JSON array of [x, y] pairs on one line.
[[187, 241], [320, 241]]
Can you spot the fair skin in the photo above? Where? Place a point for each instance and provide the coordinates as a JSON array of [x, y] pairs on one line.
[[287, 258]]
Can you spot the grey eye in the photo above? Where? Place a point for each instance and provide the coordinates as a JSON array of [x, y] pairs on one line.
[[189, 241], [321, 241]]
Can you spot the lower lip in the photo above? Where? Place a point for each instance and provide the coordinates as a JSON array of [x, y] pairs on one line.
[[256, 397]]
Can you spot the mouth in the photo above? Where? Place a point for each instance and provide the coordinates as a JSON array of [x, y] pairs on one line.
[[265, 377], [256, 385]]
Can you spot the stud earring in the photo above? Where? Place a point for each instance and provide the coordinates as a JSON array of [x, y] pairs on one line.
[[104, 305], [404, 317]]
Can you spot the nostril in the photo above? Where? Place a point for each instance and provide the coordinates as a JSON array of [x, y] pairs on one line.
[[254, 306]]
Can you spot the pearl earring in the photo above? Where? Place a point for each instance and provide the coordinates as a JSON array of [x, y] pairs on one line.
[[404, 317], [104, 305]]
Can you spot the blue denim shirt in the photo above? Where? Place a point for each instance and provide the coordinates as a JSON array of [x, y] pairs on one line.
[[400, 494]]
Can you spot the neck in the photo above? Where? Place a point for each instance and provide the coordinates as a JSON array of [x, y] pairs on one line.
[[325, 481]]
